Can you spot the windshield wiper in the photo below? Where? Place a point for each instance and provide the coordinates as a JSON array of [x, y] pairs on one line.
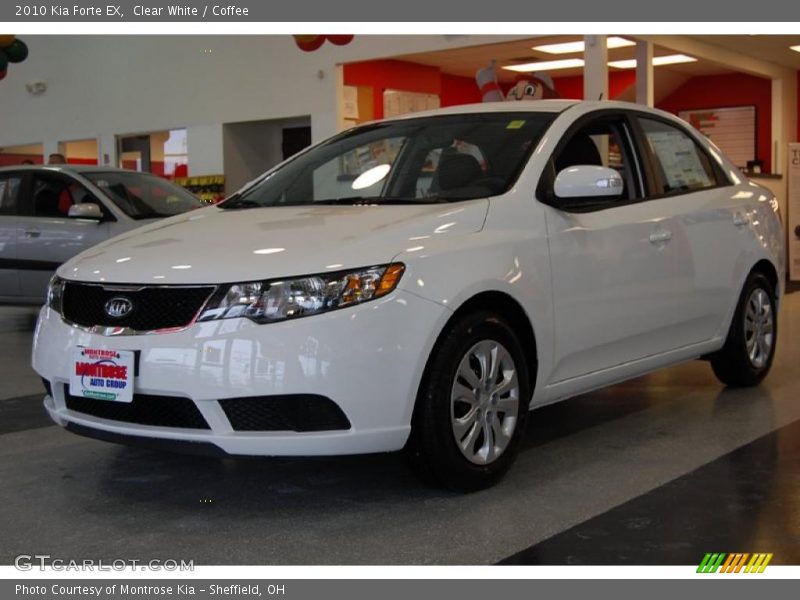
[[240, 203], [366, 200]]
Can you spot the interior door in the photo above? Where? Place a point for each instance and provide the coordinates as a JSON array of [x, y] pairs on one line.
[[618, 275], [46, 236], [10, 187]]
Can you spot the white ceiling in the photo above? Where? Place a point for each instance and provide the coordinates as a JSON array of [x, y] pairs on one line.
[[466, 61]]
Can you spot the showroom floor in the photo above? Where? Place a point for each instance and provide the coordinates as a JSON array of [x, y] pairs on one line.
[[659, 470]]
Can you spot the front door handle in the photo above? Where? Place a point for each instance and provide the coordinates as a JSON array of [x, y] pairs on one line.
[[740, 219], [660, 236], [32, 233]]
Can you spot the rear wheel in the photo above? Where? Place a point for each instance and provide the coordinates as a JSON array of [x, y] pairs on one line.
[[749, 349], [472, 405]]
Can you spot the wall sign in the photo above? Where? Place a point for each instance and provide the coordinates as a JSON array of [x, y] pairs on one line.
[[732, 129]]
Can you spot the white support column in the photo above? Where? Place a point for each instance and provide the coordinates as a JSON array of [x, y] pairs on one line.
[[595, 69], [778, 141], [204, 145], [50, 147], [784, 120], [107, 150], [644, 73]]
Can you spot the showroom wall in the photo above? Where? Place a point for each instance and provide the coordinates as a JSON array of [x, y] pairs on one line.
[[102, 86], [732, 89]]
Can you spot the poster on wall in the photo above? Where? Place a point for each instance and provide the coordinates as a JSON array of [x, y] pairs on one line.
[[793, 210], [396, 102], [733, 130]]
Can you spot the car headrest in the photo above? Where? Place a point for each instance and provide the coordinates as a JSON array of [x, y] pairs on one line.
[[458, 170]]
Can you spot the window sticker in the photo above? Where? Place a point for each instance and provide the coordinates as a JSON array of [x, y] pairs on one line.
[[518, 124], [679, 159]]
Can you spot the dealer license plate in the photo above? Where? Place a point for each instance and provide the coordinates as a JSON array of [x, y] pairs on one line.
[[102, 374]]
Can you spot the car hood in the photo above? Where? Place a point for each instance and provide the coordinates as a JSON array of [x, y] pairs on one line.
[[213, 245]]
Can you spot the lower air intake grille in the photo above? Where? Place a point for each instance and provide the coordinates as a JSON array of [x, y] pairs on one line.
[[294, 412], [163, 411]]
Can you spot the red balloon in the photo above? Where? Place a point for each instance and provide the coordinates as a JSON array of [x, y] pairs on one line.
[[309, 43], [340, 40]]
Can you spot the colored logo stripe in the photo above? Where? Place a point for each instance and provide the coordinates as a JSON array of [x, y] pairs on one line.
[[734, 562]]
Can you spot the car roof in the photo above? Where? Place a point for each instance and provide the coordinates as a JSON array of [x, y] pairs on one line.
[[549, 106], [70, 169]]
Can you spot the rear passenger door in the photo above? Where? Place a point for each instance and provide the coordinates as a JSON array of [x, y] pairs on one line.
[[10, 186], [46, 235], [709, 220]]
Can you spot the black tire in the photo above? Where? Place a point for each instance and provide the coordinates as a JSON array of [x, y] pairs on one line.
[[733, 365], [432, 448]]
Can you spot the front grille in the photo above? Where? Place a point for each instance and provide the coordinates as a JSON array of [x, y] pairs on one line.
[[293, 412], [164, 411], [153, 307]]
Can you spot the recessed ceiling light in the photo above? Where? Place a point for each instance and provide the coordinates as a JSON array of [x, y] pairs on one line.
[[658, 61], [795, 48], [568, 47], [546, 65]]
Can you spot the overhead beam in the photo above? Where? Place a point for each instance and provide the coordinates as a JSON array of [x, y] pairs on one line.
[[721, 56]]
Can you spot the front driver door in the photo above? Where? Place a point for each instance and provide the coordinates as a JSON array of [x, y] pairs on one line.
[[46, 236], [616, 270]]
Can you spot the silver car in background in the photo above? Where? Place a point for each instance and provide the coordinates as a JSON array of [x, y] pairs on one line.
[[48, 214]]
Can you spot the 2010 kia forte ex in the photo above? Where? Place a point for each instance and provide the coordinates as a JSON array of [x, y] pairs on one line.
[[421, 283]]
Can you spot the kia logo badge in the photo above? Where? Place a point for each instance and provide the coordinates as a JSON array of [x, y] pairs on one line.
[[118, 307]]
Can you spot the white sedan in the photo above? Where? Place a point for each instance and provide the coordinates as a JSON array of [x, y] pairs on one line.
[[421, 283]]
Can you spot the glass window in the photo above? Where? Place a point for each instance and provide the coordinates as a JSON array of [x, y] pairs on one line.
[[415, 160], [143, 196], [601, 143], [53, 196], [679, 163], [9, 192]]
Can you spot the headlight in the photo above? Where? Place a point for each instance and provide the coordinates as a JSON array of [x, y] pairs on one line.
[[270, 301], [55, 291]]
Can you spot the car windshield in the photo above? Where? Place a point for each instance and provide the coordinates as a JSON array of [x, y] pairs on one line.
[[409, 161], [144, 196]]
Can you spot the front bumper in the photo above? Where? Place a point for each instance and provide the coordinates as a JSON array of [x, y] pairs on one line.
[[367, 359]]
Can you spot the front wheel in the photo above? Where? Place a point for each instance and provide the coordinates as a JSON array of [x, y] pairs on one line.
[[749, 349], [472, 405]]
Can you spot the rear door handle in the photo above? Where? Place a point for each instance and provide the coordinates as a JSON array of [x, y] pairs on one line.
[[740, 219], [32, 233], [661, 236]]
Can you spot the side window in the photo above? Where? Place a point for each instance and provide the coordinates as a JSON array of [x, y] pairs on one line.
[[680, 165], [9, 193], [602, 143], [53, 196]]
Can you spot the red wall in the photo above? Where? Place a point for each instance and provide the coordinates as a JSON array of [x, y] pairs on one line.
[[13, 160], [572, 87], [395, 75], [734, 89], [459, 90]]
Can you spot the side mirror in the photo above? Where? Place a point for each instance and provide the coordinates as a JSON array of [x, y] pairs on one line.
[[588, 181], [85, 210]]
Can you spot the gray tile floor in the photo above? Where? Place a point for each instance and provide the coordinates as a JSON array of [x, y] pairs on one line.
[[77, 498]]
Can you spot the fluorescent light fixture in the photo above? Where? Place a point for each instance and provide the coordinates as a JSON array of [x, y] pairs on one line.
[[795, 48], [570, 47], [658, 61], [546, 65]]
